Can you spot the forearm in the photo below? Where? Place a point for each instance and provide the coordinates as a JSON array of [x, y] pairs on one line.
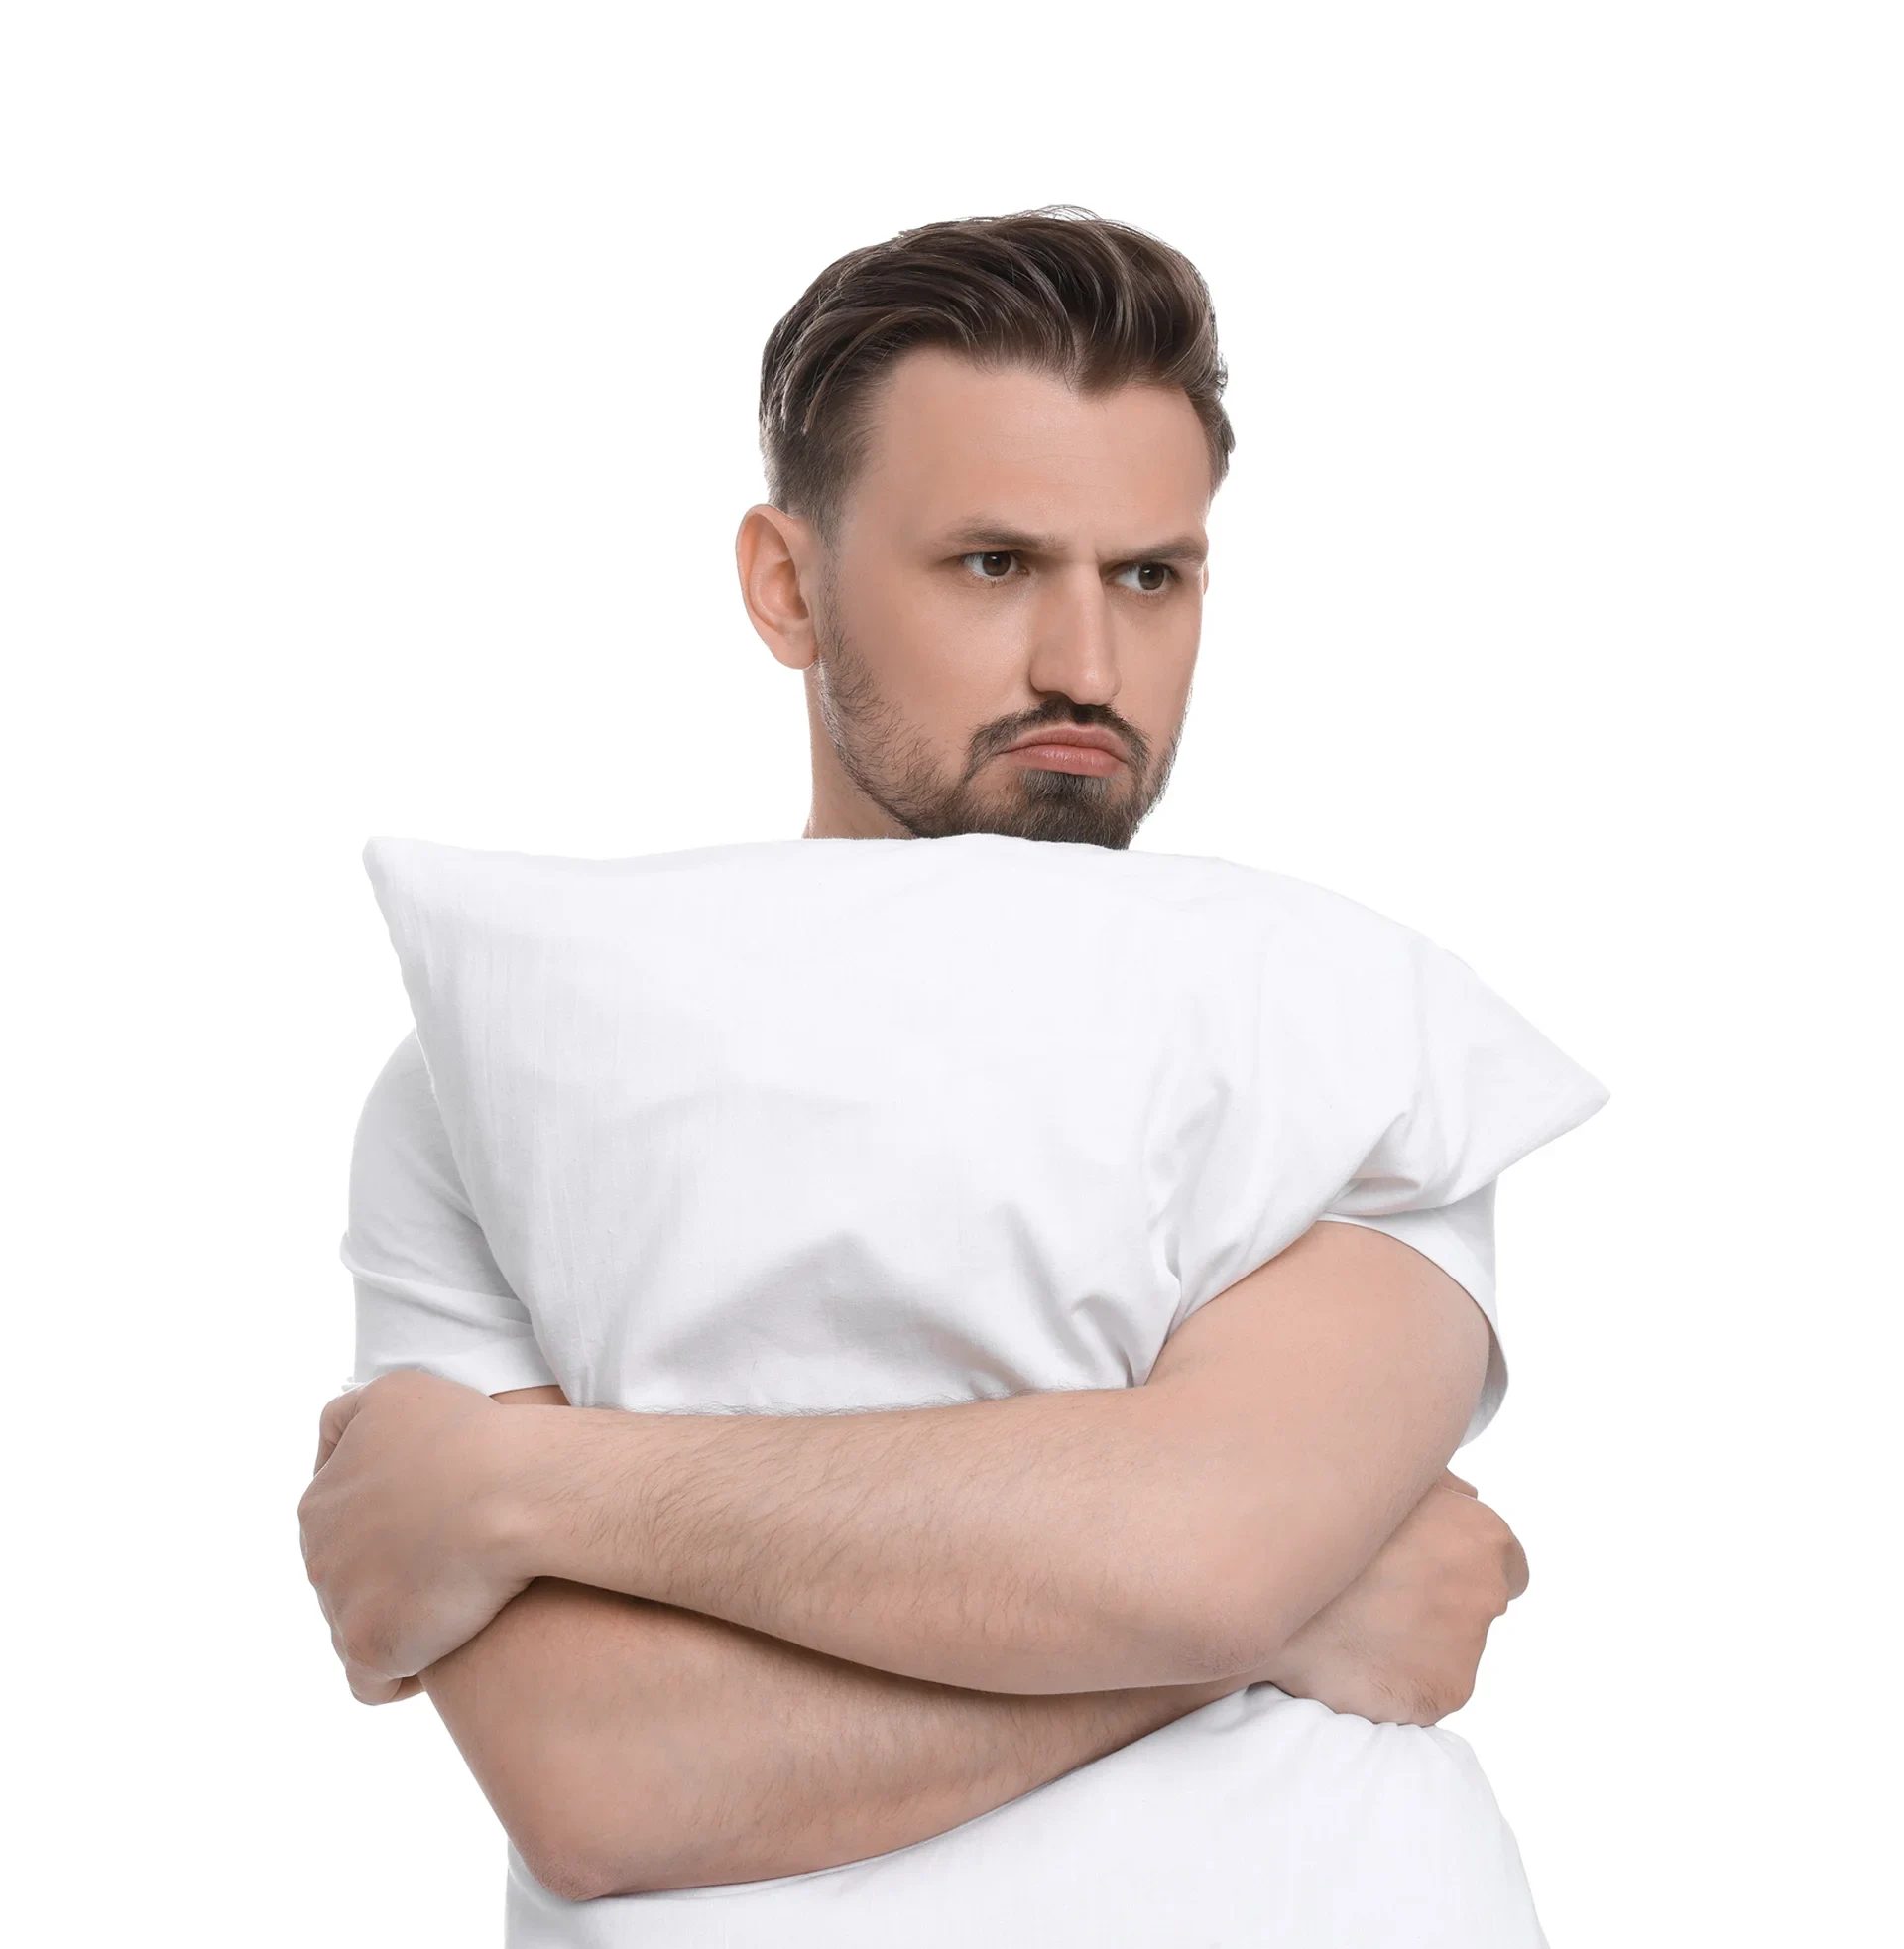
[[628, 1746], [1088, 1540], [1044, 1543]]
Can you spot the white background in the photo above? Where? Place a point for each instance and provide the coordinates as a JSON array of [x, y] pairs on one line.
[[378, 395]]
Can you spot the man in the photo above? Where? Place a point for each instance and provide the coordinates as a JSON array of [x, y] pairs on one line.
[[686, 1652]]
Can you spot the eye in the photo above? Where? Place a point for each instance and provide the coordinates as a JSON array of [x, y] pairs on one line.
[[995, 567], [1152, 577]]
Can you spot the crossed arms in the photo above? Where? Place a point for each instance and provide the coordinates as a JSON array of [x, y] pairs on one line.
[[684, 1649]]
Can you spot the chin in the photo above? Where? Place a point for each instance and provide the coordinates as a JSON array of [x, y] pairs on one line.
[[1063, 806]]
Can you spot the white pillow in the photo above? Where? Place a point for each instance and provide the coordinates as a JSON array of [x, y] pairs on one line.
[[832, 1123]]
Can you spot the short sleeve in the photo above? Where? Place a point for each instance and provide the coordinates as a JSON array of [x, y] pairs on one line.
[[1460, 1239], [428, 1294], [1488, 1089]]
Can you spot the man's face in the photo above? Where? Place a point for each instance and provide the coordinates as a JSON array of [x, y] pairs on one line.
[[1013, 559]]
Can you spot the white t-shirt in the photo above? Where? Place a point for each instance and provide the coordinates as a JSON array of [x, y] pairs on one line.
[[740, 1128]]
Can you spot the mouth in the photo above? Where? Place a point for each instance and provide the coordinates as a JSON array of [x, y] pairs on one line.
[[1069, 748]]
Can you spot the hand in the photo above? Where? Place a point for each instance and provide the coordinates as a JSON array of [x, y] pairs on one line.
[[401, 1527], [1404, 1642]]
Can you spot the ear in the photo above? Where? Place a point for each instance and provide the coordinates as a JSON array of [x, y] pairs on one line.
[[778, 559]]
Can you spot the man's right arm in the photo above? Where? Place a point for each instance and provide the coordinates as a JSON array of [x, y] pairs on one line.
[[627, 1745]]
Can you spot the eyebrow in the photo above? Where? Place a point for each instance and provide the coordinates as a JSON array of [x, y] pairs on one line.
[[994, 538]]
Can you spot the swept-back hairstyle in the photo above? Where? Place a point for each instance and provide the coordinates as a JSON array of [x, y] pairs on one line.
[[1098, 303]]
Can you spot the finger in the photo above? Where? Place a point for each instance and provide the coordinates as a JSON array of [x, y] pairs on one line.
[[370, 1689], [331, 1428], [333, 1422]]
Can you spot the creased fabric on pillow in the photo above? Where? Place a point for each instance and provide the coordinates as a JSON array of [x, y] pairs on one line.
[[825, 1124]]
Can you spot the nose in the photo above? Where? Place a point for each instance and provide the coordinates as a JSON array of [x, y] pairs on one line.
[[1073, 650]]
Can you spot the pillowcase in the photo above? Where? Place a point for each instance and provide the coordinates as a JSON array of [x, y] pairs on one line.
[[823, 1123]]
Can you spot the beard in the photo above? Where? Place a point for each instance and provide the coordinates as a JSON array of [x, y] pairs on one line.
[[893, 763]]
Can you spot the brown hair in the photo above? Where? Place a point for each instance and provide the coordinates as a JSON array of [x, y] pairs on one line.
[[1100, 303]]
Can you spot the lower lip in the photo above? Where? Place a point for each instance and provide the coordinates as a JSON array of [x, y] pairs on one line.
[[1088, 759]]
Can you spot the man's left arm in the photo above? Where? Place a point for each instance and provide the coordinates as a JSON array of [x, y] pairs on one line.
[[1045, 1542]]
